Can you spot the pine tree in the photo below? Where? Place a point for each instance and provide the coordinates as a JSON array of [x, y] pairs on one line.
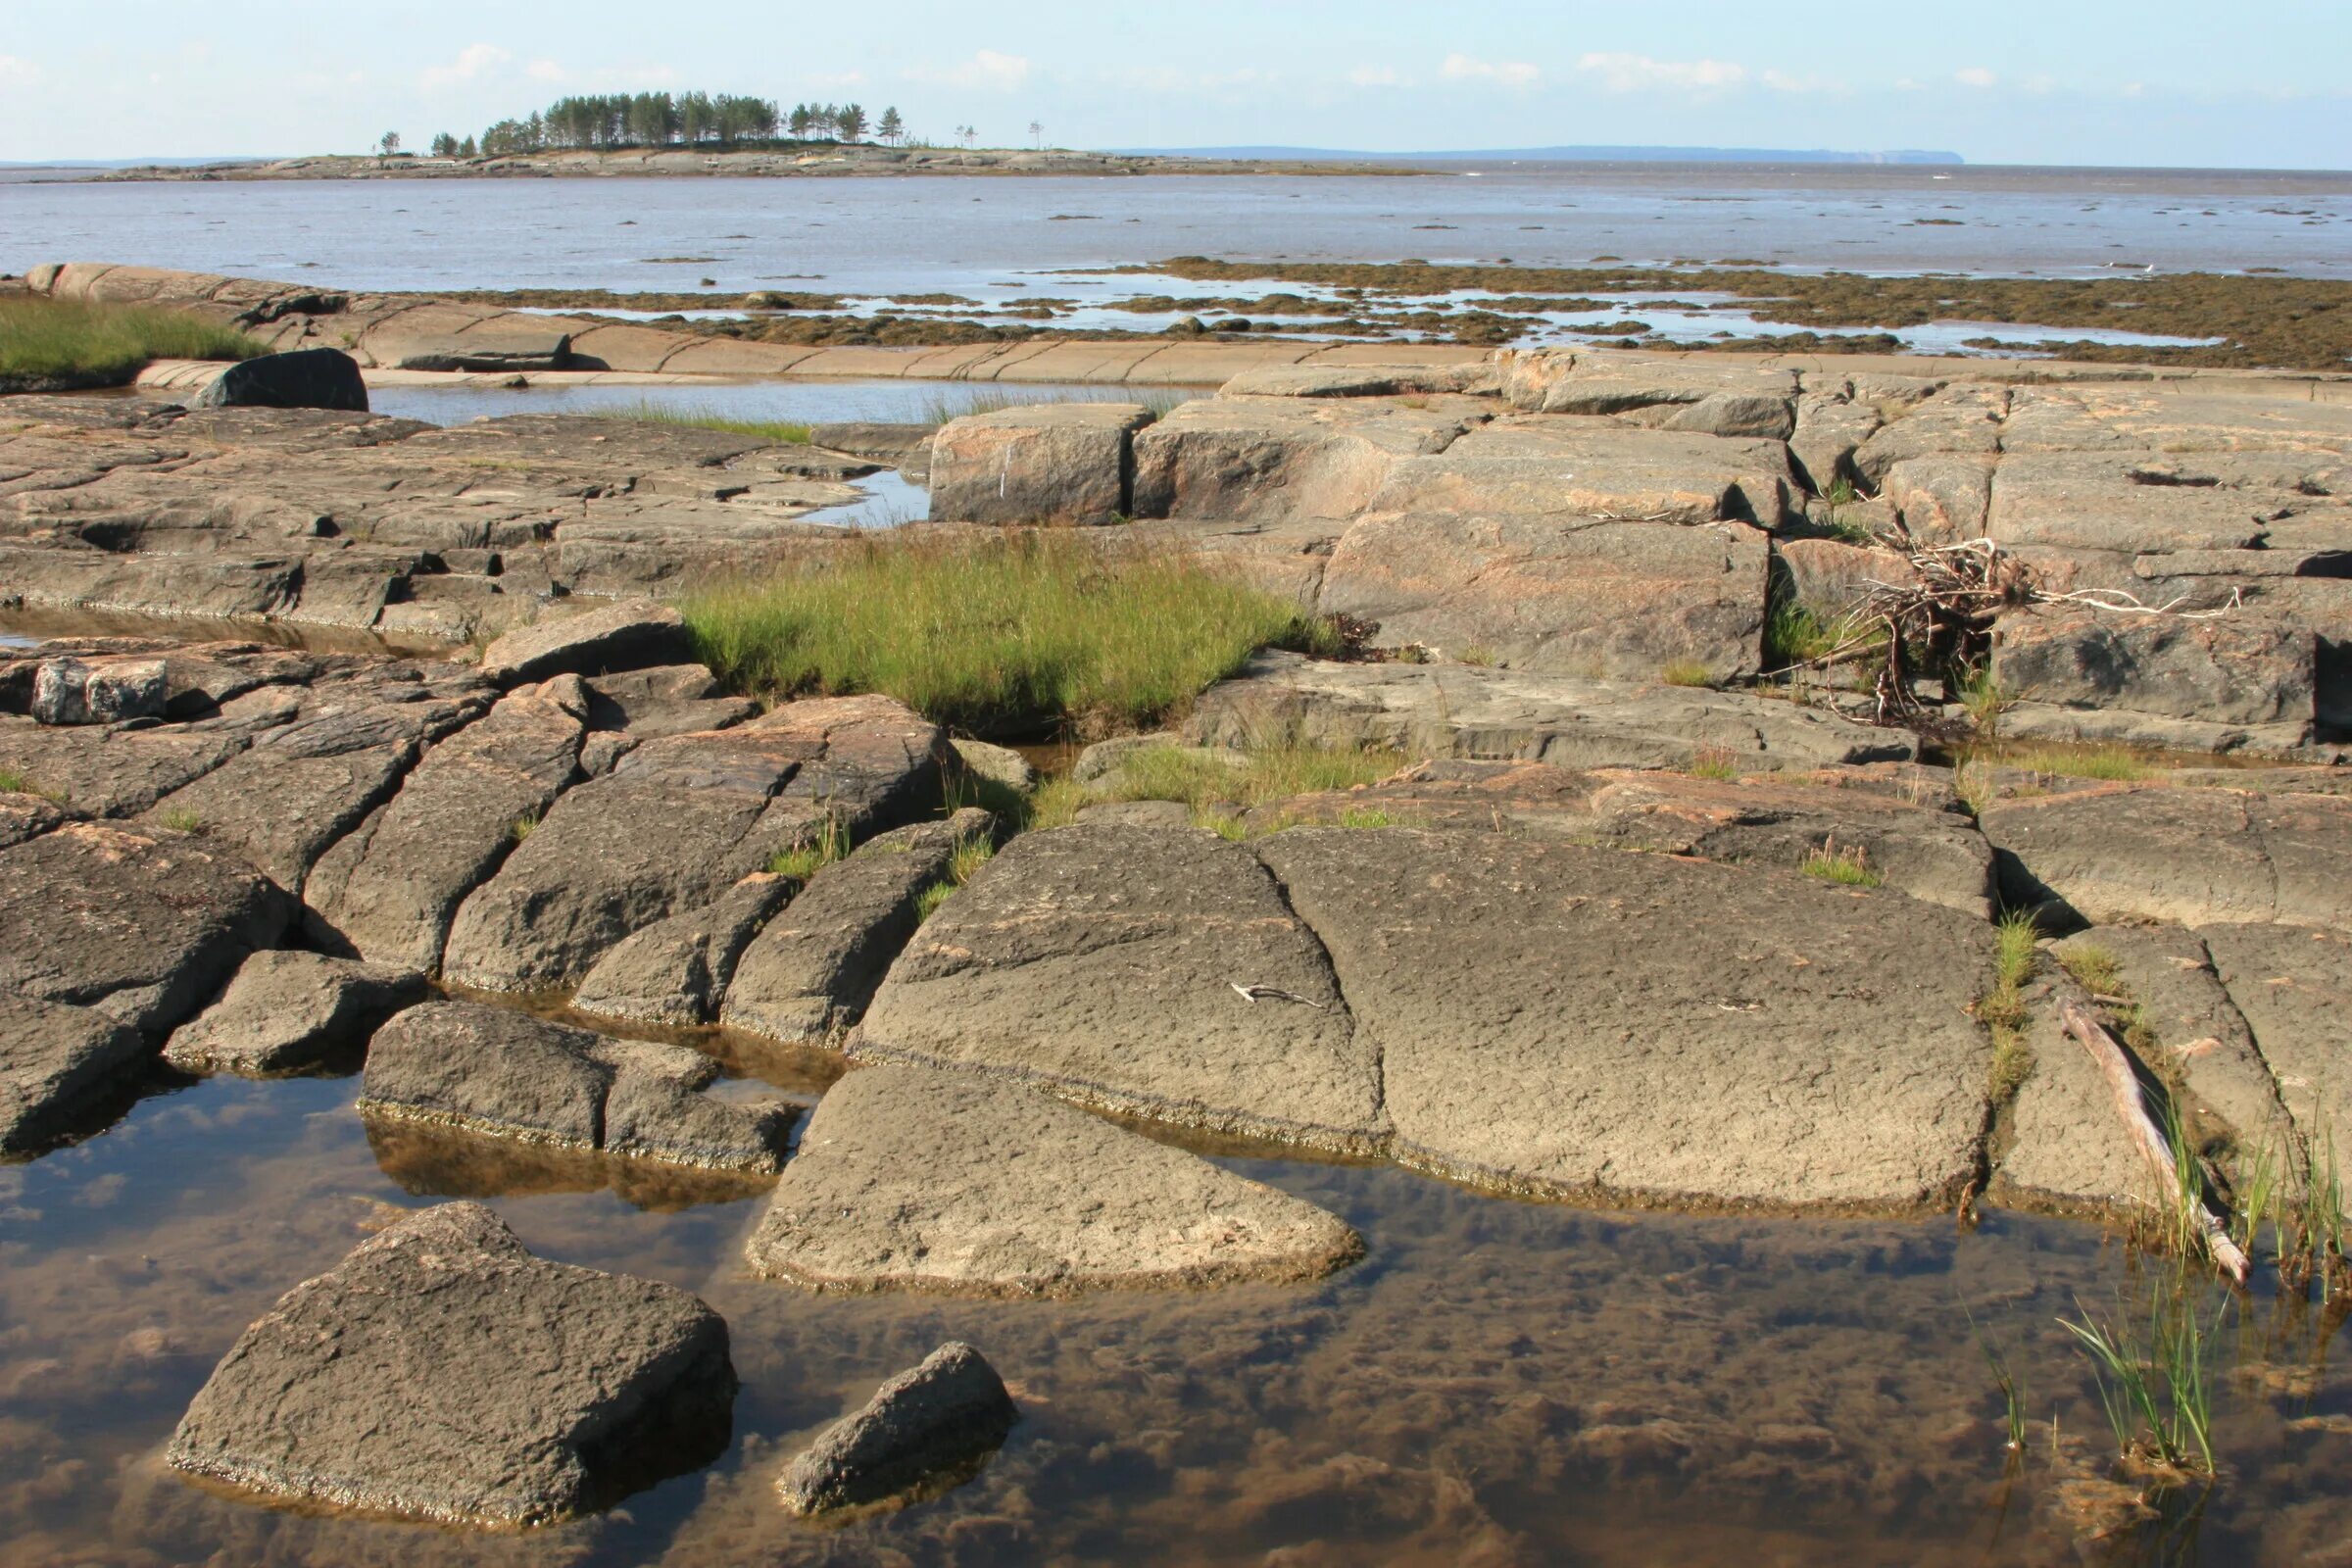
[[892, 129]]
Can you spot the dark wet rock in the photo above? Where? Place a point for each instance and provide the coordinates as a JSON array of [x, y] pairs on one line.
[[949, 1412], [519, 347], [286, 1011], [2151, 851], [677, 822], [675, 970], [903, 1182], [306, 379], [1466, 710], [1063, 462], [2193, 1032], [141, 926], [809, 974], [390, 887], [592, 642], [1899, 823], [1103, 961], [1584, 596], [443, 1372], [1736, 1036], [664, 700], [2294, 987], [506, 1074], [72, 691], [57, 1060]]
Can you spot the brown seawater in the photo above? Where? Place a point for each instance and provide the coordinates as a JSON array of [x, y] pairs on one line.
[[1497, 1383]]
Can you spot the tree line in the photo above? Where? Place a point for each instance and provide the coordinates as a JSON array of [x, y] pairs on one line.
[[602, 121]]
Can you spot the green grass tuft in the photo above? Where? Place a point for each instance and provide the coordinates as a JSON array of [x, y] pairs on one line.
[[2153, 1383], [2003, 1010], [2113, 763], [1847, 867], [13, 782], [804, 861], [787, 432], [1686, 672], [997, 636], [523, 826], [100, 345], [179, 820], [1715, 763]]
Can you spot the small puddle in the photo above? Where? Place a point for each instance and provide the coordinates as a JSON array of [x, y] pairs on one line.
[[890, 500]]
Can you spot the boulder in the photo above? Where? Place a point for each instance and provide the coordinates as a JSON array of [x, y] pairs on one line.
[[508, 1074], [69, 691], [910, 1178], [674, 971], [1569, 1022], [1105, 964], [289, 1011], [507, 344], [935, 1419], [1544, 465], [1064, 463], [664, 700], [809, 973], [622, 636], [1266, 459], [2191, 856], [677, 822], [998, 764], [2253, 672], [141, 926], [1828, 430], [390, 888], [1464, 711], [442, 1372], [57, 1061], [307, 378], [1577, 595]]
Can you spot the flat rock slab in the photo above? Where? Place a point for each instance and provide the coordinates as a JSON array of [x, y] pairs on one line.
[[2294, 987], [675, 970], [1550, 466], [506, 1074], [390, 888], [1563, 1021], [622, 636], [442, 1372], [111, 773], [57, 1060], [914, 1178], [2065, 1147], [809, 974], [1100, 961], [288, 1012], [2189, 856], [141, 926], [1895, 821], [1068, 463], [1269, 457], [677, 822], [943, 1415], [1578, 595], [1465, 711]]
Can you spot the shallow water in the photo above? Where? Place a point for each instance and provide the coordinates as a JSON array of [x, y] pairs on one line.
[[1497, 1383], [878, 402]]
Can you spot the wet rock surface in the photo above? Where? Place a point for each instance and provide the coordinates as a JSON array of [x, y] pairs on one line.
[[948, 1411], [55, 1060], [443, 1372], [1016, 1195], [506, 1074]]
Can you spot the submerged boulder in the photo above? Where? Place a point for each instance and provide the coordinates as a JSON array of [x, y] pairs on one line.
[[936, 1417], [442, 1372]]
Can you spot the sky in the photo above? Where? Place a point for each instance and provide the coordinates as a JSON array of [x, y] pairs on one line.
[[2260, 83]]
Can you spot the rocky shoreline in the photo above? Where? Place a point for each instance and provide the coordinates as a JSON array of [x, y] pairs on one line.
[[679, 163], [1642, 913]]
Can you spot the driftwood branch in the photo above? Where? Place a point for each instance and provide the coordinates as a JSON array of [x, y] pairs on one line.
[[2154, 1147]]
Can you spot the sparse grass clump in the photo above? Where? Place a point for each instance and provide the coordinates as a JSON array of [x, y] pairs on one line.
[[787, 432], [998, 636], [179, 820], [1847, 867], [1713, 762], [523, 826], [1686, 672], [1796, 634], [1984, 699], [71, 342], [2113, 763], [970, 856], [2002, 1009], [1219, 786], [804, 861], [2153, 1383], [14, 782]]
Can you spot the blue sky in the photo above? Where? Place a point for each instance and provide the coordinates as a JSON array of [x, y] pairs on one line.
[[2092, 82]]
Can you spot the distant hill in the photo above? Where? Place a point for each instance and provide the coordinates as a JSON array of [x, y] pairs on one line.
[[1566, 155]]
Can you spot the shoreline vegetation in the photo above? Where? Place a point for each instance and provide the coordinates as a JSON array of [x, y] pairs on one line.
[[72, 345]]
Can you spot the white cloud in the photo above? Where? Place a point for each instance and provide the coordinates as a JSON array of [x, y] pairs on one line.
[[1508, 72], [1975, 76], [18, 73], [473, 62], [1375, 76], [988, 70], [1627, 73], [544, 71]]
